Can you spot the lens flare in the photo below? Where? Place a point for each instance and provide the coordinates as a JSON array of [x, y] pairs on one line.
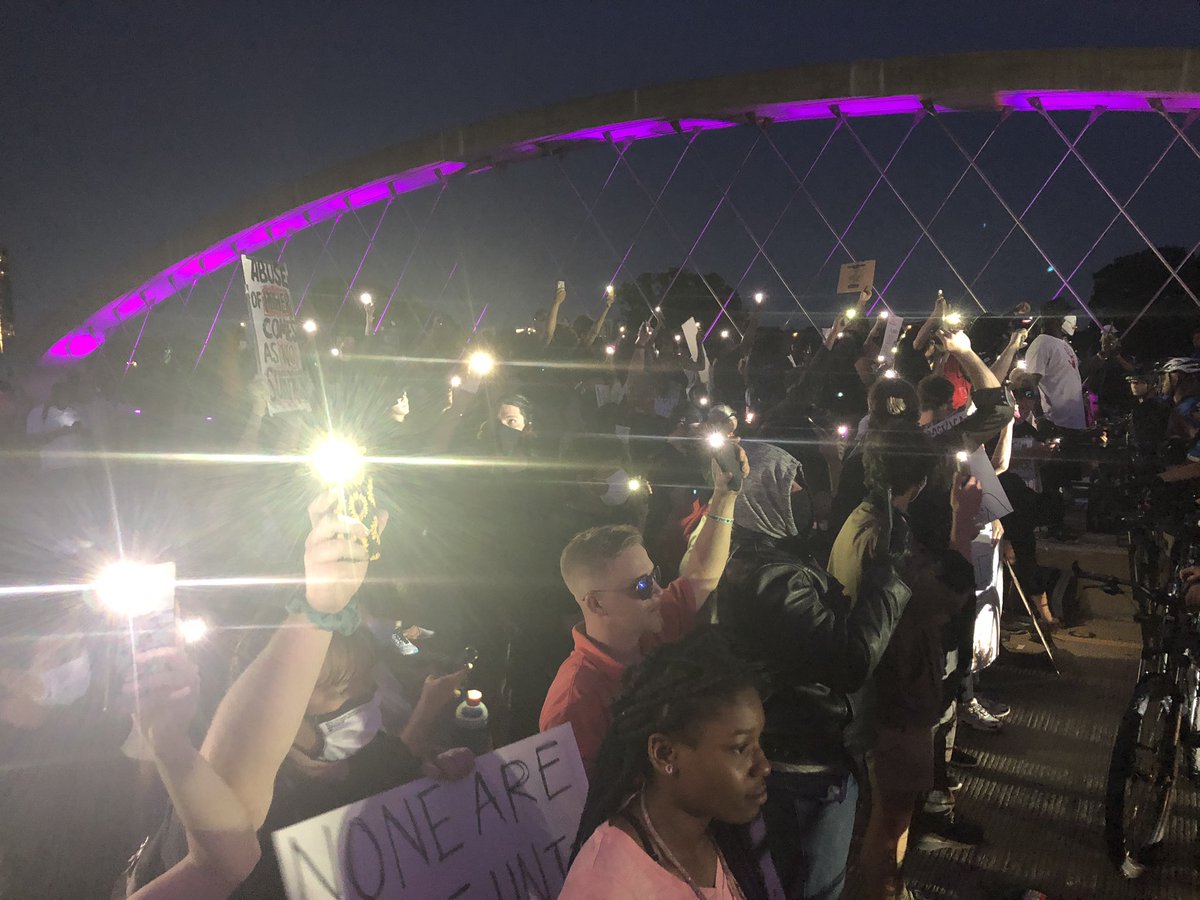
[[193, 630], [337, 461], [133, 589], [310, 326], [716, 440], [481, 363], [635, 484]]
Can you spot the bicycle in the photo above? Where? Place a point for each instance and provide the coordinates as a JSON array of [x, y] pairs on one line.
[[1162, 717]]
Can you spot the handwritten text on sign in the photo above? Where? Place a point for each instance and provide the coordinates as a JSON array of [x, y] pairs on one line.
[[278, 352], [503, 832]]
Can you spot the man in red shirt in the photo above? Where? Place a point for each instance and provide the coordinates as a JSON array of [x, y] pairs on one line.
[[626, 613]]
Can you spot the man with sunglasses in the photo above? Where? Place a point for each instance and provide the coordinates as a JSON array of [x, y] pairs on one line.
[[627, 613]]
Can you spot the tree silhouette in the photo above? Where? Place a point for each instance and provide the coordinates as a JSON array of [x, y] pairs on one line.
[[682, 294]]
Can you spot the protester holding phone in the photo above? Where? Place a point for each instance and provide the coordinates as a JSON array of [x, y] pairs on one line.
[[300, 731], [626, 612]]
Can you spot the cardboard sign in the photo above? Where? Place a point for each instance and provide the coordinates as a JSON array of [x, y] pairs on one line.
[[503, 831], [690, 329], [855, 277], [274, 327]]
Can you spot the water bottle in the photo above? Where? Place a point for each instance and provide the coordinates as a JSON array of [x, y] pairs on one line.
[[471, 723]]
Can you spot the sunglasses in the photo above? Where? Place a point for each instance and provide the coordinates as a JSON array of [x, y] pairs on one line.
[[643, 588]]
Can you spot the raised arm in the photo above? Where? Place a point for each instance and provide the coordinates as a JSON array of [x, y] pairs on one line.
[[223, 847], [975, 369], [256, 723], [1004, 362], [931, 324], [609, 297], [706, 556], [560, 294]]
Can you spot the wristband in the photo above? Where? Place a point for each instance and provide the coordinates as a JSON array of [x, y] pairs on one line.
[[722, 519], [345, 622]]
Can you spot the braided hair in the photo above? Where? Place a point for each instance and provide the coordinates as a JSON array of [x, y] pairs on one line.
[[673, 691]]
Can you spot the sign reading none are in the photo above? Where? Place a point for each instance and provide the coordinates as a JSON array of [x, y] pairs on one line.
[[505, 831]]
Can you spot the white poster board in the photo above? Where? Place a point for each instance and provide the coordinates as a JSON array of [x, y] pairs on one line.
[[995, 502], [274, 327], [855, 277], [891, 333], [504, 831], [690, 329]]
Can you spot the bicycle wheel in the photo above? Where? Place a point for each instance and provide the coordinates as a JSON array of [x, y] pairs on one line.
[[1141, 776]]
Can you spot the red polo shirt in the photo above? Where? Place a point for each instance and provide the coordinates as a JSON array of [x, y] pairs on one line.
[[590, 679]]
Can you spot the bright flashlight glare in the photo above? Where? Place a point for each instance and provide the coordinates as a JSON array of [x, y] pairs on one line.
[[725, 333], [481, 363], [953, 319], [365, 299], [881, 358], [1021, 364], [133, 589], [621, 329], [455, 381], [678, 338], [610, 350], [716, 440], [337, 461], [703, 401], [890, 373], [883, 314], [841, 334], [843, 431], [658, 309], [749, 417], [962, 456], [851, 313], [334, 351], [193, 630], [894, 350], [310, 326], [635, 484], [610, 290], [759, 296]]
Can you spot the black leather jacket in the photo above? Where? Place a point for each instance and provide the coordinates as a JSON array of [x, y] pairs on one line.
[[820, 653]]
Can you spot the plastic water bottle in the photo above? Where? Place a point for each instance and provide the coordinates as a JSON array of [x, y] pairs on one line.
[[471, 721]]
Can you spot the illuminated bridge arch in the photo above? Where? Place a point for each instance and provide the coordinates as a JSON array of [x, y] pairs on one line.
[[1041, 86]]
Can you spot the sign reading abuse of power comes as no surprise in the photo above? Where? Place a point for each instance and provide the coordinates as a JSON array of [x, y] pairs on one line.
[[501, 833], [275, 345]]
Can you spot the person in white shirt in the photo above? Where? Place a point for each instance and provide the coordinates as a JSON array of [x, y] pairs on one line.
[[56, 429], [1052, 367]]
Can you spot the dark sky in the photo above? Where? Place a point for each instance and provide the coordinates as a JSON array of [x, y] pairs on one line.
[[125, 124]]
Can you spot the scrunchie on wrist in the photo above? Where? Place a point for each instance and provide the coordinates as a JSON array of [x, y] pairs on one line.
[[345, 622]]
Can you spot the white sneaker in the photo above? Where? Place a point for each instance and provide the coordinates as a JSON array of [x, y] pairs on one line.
[[974, 715]]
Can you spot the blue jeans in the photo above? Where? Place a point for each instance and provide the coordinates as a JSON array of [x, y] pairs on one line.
[[810, 819]]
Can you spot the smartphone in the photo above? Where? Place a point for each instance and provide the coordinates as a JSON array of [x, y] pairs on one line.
[[727, 459], [358, 502], [154, 626], [562, 285]]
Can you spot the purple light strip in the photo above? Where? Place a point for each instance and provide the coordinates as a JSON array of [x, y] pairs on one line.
[[136, 341], [90, 334], [482, 313], [1117, 203]]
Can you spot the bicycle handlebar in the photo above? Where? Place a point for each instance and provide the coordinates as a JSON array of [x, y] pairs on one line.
[[1111, 582]]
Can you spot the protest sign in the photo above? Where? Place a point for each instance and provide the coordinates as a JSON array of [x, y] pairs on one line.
[[274, 327], [856, 277], [505, 831], [891, 333], [690, 329], [995, 502]]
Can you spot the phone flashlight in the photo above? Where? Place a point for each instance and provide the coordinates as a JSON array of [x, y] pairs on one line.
[[851, 313], [1021, 364], [481, 363], [455, 381], [843, 431], [610, 290], [759, 297], [726, 456], [193, 630], [634, 485], [562, 285], [881, 358], [962, 456], [703, 401], [144, 596], [724, 334], [610, 350], [883, 314], [953, 318], [678, 338], [338, 462], [889, 373]]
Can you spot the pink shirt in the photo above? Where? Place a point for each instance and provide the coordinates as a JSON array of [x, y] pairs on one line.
[[613, 866]]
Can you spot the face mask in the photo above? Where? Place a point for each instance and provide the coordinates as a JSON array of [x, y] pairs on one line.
[[618, 489], [509, 440], [1069, 325], [348, 732], [66, 683]]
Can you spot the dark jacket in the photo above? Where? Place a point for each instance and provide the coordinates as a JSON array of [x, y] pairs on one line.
[[795, 618]]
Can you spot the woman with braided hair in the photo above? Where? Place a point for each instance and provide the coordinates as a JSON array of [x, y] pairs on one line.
[[679, 777]]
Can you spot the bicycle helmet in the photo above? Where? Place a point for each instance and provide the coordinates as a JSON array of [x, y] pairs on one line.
[[1185, 365]]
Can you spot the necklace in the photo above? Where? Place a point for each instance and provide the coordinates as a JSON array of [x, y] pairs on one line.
[[666, 851]]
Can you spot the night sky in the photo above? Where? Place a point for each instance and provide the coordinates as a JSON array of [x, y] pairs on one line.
[[126, 124]]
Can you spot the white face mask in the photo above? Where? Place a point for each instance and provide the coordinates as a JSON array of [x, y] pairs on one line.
[[66, 683], [618, 489], [1069, 325], [348, 732]]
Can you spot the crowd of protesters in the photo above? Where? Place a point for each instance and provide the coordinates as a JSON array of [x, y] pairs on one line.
[[759, 582]]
